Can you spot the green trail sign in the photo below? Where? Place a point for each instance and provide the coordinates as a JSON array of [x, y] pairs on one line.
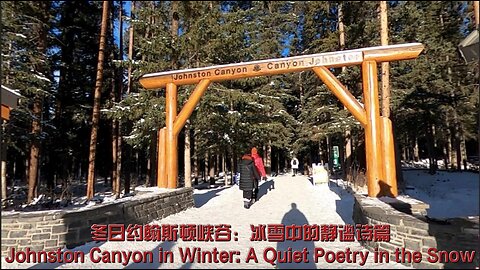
[[336, 157]]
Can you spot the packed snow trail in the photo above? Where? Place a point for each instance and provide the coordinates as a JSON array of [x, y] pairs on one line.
[[294, 200]]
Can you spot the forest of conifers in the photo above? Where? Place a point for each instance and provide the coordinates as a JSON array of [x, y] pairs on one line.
[[50, 55]]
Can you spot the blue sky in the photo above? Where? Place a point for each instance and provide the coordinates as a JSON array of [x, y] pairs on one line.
[[127, 8]]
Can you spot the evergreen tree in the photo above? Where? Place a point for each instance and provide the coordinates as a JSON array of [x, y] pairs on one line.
[[431, 105], [28, 69], [141, 113], [77, 44]]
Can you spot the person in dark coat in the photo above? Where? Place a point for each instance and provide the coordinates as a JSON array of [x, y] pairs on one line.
[[249, 177]]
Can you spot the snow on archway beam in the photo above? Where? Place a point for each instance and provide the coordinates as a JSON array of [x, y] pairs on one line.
[[282, 65]]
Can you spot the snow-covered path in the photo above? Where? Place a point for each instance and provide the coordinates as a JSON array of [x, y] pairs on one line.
[[293, 201]]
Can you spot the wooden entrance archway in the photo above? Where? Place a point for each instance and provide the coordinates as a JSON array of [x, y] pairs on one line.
[[380, 156]]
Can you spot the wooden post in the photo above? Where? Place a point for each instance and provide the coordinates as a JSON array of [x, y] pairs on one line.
[[161, 160], [171, 138], [167, 145], [388, 159], [5, 112], [373, 146]]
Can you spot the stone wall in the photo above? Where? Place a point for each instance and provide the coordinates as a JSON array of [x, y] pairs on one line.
[[412, 230], [49, 230]]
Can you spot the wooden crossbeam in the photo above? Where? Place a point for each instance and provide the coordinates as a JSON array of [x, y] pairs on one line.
[[281, 65]]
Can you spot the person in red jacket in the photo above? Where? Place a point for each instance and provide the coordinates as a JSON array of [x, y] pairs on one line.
[[257, 159], [258, 162]]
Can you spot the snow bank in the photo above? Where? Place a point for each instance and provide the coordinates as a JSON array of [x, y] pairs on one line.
[[449, 194]]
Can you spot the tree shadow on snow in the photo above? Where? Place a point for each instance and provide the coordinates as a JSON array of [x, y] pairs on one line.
[[201, 199], [187, 265], [344, 206], [295, 217]]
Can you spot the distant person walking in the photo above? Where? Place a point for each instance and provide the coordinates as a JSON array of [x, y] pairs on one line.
[[249, 177], [294, 164]]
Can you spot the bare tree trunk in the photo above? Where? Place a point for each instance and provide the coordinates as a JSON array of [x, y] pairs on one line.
[[341, 153], [150, 162], [329, 155], [211, 169], [27, 167], [453, 152], [385, 65], [463, 151], [320, 151], [187, 156], [37, 109], [119, 161], [128, 149], [4, 179], [130, 48], [153, 155], [127, 173], [118, 133], [456, 125], [138, 169], [431, 148], [233, 167], [96, 105], [386, 94], [113, 98], [278, 161], [217, 167], [7, 74], [445, 156], [3, 147], [174, 32], [409, 149], [196, 164], [347, 156], [416, 152], [458, 150], [300, 86], [233, 159], [205, 169], [450, 152], [114, 157], [3, 169], [348, 152], [224, 167], [268, 157]]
